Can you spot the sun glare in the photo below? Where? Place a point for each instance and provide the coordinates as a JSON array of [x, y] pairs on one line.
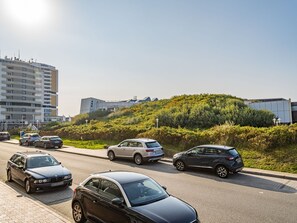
[[28, 13]]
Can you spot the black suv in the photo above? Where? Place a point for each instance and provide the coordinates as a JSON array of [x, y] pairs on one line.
[[222, 159], [37, 171]]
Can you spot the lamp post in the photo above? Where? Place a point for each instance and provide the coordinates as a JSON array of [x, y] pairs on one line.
[[276, 120], [157, 122], [87, 121]]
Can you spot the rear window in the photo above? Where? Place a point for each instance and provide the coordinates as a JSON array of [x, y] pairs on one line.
[[233, 152], [55, 138], [34, 135], [152, 144]]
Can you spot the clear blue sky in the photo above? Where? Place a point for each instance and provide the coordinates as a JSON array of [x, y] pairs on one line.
[[114, 50]]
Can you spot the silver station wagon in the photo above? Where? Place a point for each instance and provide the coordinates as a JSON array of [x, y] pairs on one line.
[[140, 150]]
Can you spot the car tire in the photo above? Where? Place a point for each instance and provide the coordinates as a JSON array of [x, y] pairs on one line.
[[77, 213], [180, 165], [20, 143], [28, 187], [138, 159], [111, 155], [9, 178], [222, 171]]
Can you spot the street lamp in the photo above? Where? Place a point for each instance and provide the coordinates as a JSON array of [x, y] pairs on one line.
[[276, 120], [87, 121], [157, 122]]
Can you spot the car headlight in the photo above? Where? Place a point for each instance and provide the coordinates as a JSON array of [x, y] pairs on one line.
[[40, 181], [67, 177]]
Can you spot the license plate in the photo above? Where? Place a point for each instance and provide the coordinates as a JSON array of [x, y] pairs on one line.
[[56, 142], [57, 184]]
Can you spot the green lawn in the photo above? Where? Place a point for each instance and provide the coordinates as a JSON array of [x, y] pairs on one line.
[[88, 144]]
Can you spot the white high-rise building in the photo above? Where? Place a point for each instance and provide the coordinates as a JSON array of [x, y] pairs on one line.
[[28, 93]]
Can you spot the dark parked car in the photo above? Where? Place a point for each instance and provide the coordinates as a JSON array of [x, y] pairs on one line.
[[49, 142], [28, 139], [125, 197], [37, 171], [222, 159], [4, 136]]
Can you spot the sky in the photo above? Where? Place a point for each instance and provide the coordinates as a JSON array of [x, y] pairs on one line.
[[117, 49]]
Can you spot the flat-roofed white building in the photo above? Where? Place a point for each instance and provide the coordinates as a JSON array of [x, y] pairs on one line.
[[88, 105], [282, 108]]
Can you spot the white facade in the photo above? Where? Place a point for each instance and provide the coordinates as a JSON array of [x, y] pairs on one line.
[[92, 104], [22, 93], [282, 108]]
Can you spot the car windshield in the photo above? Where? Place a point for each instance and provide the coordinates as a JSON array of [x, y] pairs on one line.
[[41, 161], [233, 152], [152, 144], [144, 192]]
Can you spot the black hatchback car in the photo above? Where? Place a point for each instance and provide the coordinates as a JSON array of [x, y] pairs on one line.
[[125, 197], [37, 171], [222, 159]]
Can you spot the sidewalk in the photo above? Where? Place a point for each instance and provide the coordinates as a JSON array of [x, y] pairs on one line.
[[101, 153], [18, 208]]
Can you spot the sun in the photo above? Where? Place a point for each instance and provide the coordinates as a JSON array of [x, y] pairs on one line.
[[27, 13]]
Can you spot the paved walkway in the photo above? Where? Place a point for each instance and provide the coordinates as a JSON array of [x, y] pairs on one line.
[[18, 208]]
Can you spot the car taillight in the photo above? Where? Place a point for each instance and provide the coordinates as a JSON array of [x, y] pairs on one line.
[[230, 158], [149, 150]]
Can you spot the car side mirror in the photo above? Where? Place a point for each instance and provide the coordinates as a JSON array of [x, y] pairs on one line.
[[117, 201]]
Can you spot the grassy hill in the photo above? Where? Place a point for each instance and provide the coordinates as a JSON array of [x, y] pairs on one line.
[[189, 120]]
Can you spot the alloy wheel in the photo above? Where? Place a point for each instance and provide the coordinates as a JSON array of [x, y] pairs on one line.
[[138, 159], [111, 155], [9, 178], [180, 165], [77, 213], [28, 187], [222, 171]]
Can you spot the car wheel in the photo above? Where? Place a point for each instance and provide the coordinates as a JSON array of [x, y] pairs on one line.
[[111, 155], [222, 171], [138, 159], [9, 178], [28, 187], [180, 165], [77, 213], [20, 143]]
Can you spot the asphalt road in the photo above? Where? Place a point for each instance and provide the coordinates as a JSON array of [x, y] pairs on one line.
[[240, 198]]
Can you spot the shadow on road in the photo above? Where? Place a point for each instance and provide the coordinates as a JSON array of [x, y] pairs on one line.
[[249, 180], [55, 196]]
